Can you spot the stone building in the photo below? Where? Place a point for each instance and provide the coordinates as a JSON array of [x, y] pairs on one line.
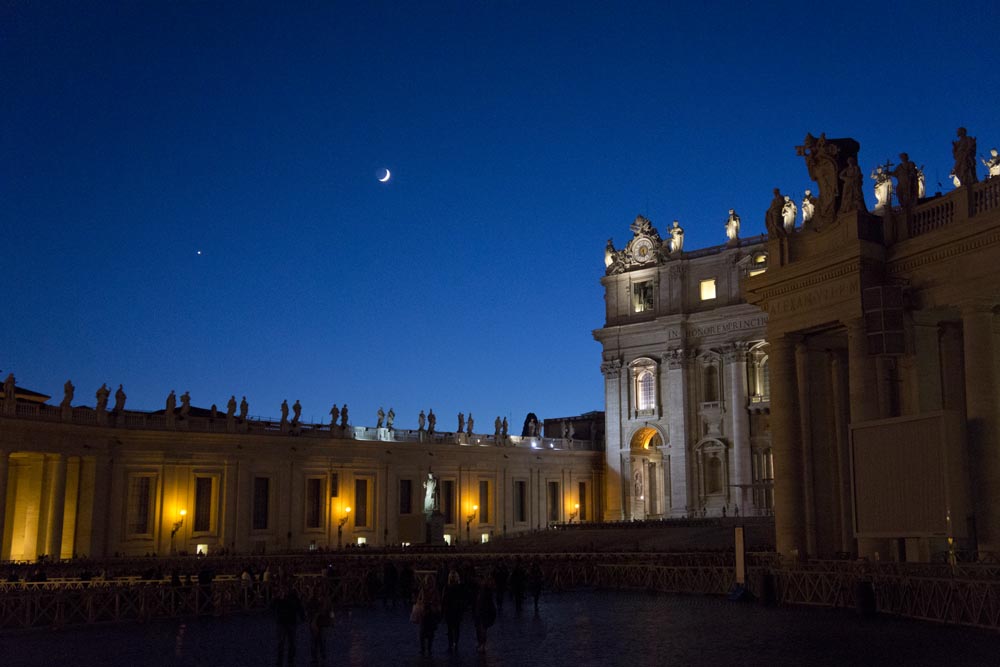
[[86, 481], [685, 378]]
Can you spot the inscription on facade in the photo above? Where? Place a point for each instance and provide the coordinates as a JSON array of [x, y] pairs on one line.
[[716, 328], [823, 295]]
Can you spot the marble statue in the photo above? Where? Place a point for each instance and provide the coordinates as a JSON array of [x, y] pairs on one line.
[[993, 164], [431, 421], [9, 391], [883, 186], [732, 226], [171, 403], [955, 180], [572, 431], [638, 484], [609, 254], [244, 408], [921, 183], [120, 399], [185, 404], [852, 192], [821, 161], [231, 408], [808, 206], [102, 398], [421, 421], [390, 418], [296, 413], [963, 150], [676, 238], [532, 425], [789, 211], [565, 430], [284, 411], [774, 220], [461, 422], [503, 427], [469, 425], [343, 416], [906, 181], [68, 390], [496, 428], [430, 498], [335, 414], [381, 417], [214, 411]]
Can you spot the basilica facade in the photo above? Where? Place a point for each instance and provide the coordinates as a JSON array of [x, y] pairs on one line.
[[687, 401]]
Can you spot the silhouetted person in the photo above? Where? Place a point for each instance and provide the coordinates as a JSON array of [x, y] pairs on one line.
[[318, 611], [535, 581], [288, 612], [484, 613], [518, 580], [430, 600], [453, 607]]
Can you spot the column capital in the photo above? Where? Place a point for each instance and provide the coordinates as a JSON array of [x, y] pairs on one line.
[[736, 352], [611, 368], [678, 357]]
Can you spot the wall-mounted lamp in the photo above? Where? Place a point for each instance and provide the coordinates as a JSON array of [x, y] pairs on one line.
[[468, 522], [340, 527]]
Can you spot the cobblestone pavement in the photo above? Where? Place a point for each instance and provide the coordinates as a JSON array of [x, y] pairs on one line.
[[570, 629]]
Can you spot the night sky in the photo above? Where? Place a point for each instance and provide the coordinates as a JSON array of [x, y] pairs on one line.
[[520, 136]]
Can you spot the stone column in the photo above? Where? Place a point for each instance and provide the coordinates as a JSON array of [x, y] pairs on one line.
[[838, 394], [676, 362], [864, 405], [4, 472], [613, 509], [626, 485], [981, 394], [736, 380], [789, 500], [927, 357], [57, 505], [101, 506], [230, 504], [805, 428]]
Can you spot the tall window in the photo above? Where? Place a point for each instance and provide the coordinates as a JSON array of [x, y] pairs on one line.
[[711, 383], [759, 380], [521, 501], [261, 500], [314, 502], [406, 496], [448, 500], [642, 297], [644, 386], [581, 499], [484, 501], [140, 506], [713, 475], [647, 390], [361, 503], [203, 504], [553, 504]]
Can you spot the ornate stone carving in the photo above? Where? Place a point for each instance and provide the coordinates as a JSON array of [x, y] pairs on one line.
[[676, 238], [735, 352], [883, 186], [645, 249], [963, 150], [732, 227], [853, 197], [993, 164], [774, 219], [788, 214], [906, 181], [808, 206], [825, 159], [611, 369]]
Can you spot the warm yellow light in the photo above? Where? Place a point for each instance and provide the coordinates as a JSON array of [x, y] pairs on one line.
[[183, 512], [576, 506], [347, 509], [475, 508]]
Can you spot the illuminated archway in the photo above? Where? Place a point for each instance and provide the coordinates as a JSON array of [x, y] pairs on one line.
[[646, 438]]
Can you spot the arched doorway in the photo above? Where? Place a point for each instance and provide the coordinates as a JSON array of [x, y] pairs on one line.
[[644, 486]]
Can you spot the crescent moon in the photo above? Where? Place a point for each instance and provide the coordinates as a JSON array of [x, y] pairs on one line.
[[386, 177]]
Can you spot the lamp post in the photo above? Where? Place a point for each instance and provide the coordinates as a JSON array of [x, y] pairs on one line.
[[576, 510], [177, 526], [468, 522], [340, 528]]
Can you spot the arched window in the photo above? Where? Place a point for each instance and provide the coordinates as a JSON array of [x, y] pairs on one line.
[[644, 389], [647, 390]]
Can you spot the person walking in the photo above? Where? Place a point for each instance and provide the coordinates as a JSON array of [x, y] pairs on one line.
[[319, 611], [484, 613], [288, 612], [453, 607], [535, 581], [430, 601]]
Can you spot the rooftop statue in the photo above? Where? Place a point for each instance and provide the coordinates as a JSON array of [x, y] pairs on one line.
[[381, 418], [883, 186], [497, 425], [788, 214], [461, 422], [609, 254], [431, 421], [391, 417], [335, 415], [421, 421], [963, 150], [906, 181], [733, 226], [231, 408], [284, 411], [343, 416], [825, 159], [853, 197], [503, 427], [120, 399], [470, 424], [921, 183], [296, 413], [185, 403], [993, 164], [244, 408], [68, 390], [171, 403], [676, 238], [9, 391], [774, 220], [102, 397], [808, 206]]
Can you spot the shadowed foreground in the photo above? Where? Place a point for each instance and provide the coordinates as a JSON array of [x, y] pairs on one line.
[[571, 629]]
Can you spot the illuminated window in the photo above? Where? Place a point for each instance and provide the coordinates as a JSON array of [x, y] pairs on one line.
[[647, 390], [485, 537], [644, 390], [759, 264], [642, 297], [708, 289]]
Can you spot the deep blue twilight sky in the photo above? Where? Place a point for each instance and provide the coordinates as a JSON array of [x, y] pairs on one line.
[[520, 136]]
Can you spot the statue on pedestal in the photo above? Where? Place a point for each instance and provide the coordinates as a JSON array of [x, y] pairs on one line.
[[470, 424], [171, 404], [732, 227], [497, 425], [461, 422], [421, 421], [963, 150], [609, 254], [430, 497], [676, 238], [68, 390], [906, 181], [391, 419], [808, 206], [993, 164], [431, 421], [284, 413], [381, 418], [231, 408], [788, 214], [185, 404], [343, 416], [244, 408], [120, 399], [335, 414], [853, 197], [821, 161], [921, 183], [774, 220], [296, 413], [102, 399], [503, 427], [883, 186]]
